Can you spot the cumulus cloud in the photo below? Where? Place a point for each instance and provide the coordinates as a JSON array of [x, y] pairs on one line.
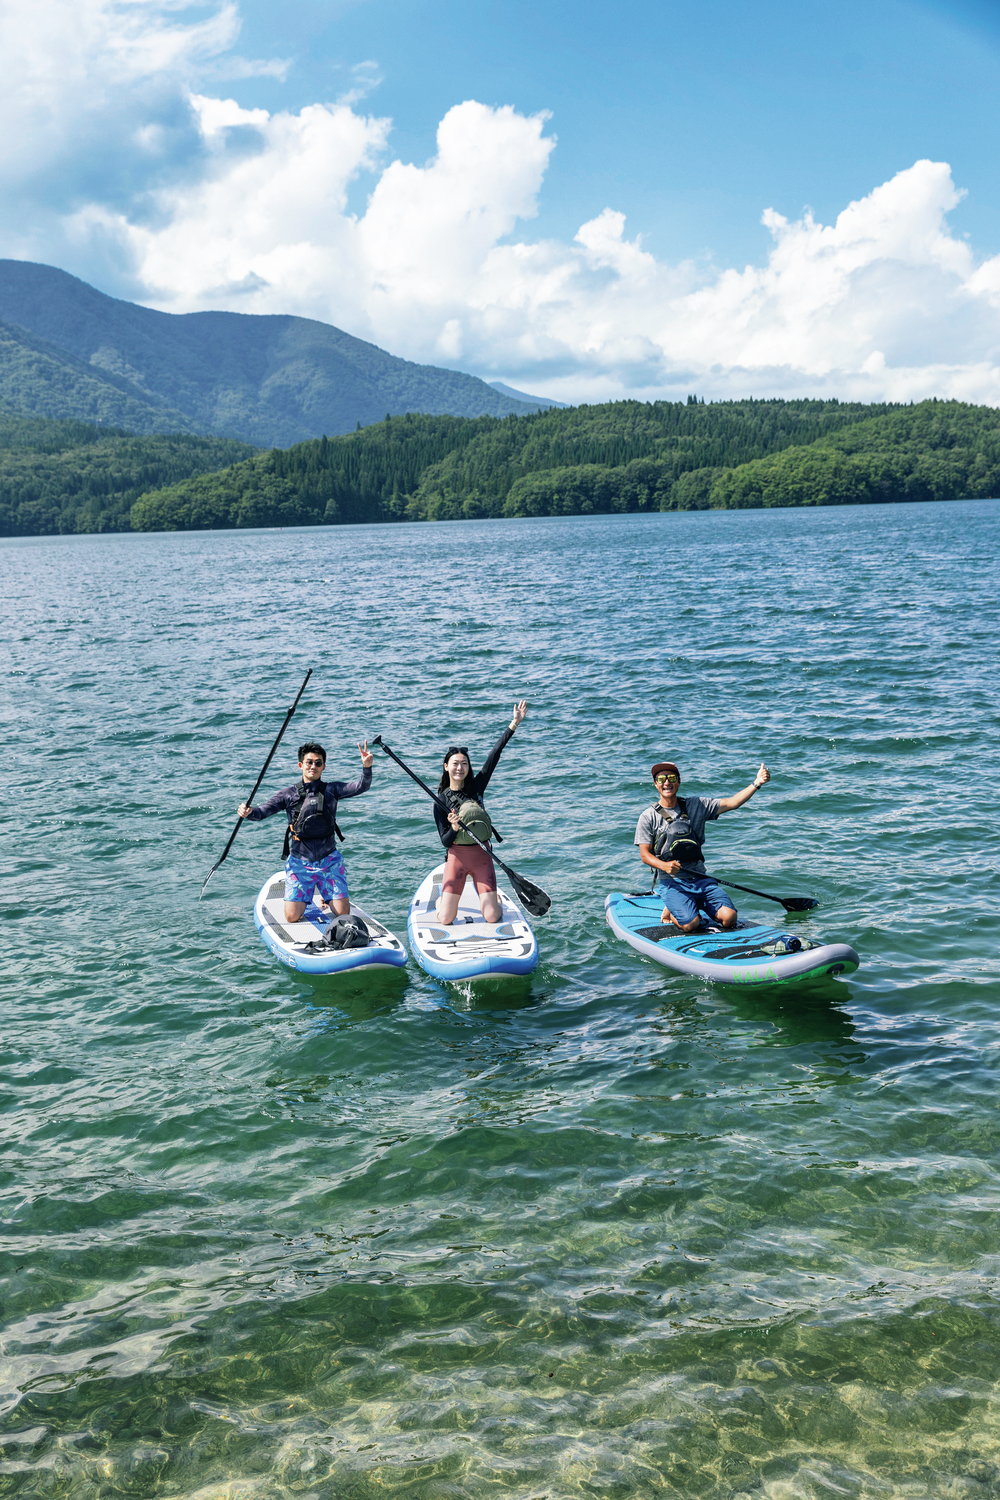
[[81, 72], [203, 203], [265, 228]]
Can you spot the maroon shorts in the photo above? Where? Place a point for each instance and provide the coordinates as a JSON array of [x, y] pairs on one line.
[[465, 860]]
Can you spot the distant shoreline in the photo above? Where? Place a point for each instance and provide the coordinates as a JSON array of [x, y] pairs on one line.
[[624, 457]]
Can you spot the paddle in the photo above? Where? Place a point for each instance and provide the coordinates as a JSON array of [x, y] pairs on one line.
[[790, 903], [531, 896], [260, 778]]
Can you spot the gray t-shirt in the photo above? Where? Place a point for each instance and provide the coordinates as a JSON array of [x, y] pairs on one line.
[[654, 820]]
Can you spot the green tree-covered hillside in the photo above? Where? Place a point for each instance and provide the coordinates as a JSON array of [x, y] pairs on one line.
[[39, 380], [76, 476], [622, 456]]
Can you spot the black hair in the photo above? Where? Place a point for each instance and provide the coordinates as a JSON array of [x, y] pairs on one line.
[[314, 748], [445, 781]]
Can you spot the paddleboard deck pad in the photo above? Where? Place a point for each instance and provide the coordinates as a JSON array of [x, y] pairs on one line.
[[290, 941], [470, 948], [749, 953]]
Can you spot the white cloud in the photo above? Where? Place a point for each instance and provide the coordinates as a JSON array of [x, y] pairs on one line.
[[207, 204], [78, 71], [265, 229]]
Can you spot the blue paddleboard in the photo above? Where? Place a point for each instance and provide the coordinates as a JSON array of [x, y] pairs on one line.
[[749, 953]]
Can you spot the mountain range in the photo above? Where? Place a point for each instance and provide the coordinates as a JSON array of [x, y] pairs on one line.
[[69, 351]]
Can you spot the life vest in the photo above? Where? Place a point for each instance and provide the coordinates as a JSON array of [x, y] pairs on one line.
[[313, 820], [675, 838]]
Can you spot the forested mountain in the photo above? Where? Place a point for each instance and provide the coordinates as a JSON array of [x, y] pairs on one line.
[[73, 352], [39, 380], [76, 476], [622, 456]]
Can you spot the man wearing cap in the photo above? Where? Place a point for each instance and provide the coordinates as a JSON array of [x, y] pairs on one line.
[[670, 836]]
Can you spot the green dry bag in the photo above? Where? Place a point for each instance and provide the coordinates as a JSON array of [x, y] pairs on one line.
[[477, 819]]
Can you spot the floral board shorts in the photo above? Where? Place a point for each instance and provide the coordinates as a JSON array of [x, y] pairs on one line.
[[328, 877]]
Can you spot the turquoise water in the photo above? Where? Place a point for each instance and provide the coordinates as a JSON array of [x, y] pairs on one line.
[[604, 1232]]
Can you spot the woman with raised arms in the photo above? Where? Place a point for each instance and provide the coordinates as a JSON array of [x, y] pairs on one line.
[[463, 794]]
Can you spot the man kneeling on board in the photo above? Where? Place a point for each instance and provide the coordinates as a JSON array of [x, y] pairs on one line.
[[670, 835], [314, 863]]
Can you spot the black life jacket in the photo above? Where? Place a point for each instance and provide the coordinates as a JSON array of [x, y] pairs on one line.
[[674, 839], [313, 819]]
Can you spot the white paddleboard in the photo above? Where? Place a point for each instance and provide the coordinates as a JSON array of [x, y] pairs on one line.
[[289, 941], [470, 948]]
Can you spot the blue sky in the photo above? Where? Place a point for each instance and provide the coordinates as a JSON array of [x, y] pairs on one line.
[[581, 199], [690, 118]]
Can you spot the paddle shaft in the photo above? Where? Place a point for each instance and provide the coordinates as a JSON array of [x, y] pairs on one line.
[[766, 895], [791, 903], [260, 778], [514, 876]]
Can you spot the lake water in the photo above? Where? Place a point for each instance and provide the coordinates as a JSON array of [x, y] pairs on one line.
[[607, 1232]]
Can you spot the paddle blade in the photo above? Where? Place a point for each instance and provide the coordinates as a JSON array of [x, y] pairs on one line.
[[222, 856], [531, 896], [798, 903]]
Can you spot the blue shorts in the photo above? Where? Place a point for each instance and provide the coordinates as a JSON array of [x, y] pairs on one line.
[[328, 877], [684, 898]]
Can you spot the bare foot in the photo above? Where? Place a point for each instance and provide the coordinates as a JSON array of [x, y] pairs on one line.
[[668, 917]]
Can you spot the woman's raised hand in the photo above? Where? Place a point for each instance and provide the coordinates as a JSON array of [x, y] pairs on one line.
[[366, 756], [520, 709]]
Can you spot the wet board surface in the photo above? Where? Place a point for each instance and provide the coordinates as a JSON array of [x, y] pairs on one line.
[[289, 940], [470, 948], [749, 953]]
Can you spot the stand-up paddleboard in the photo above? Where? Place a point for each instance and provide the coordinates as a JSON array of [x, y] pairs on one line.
[[749, 953], [290, 941], [470, 948]]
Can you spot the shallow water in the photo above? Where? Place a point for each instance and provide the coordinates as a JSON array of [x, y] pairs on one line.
[[608, 1231]]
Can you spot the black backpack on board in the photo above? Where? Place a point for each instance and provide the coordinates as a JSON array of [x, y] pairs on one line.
[[347, 931]]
